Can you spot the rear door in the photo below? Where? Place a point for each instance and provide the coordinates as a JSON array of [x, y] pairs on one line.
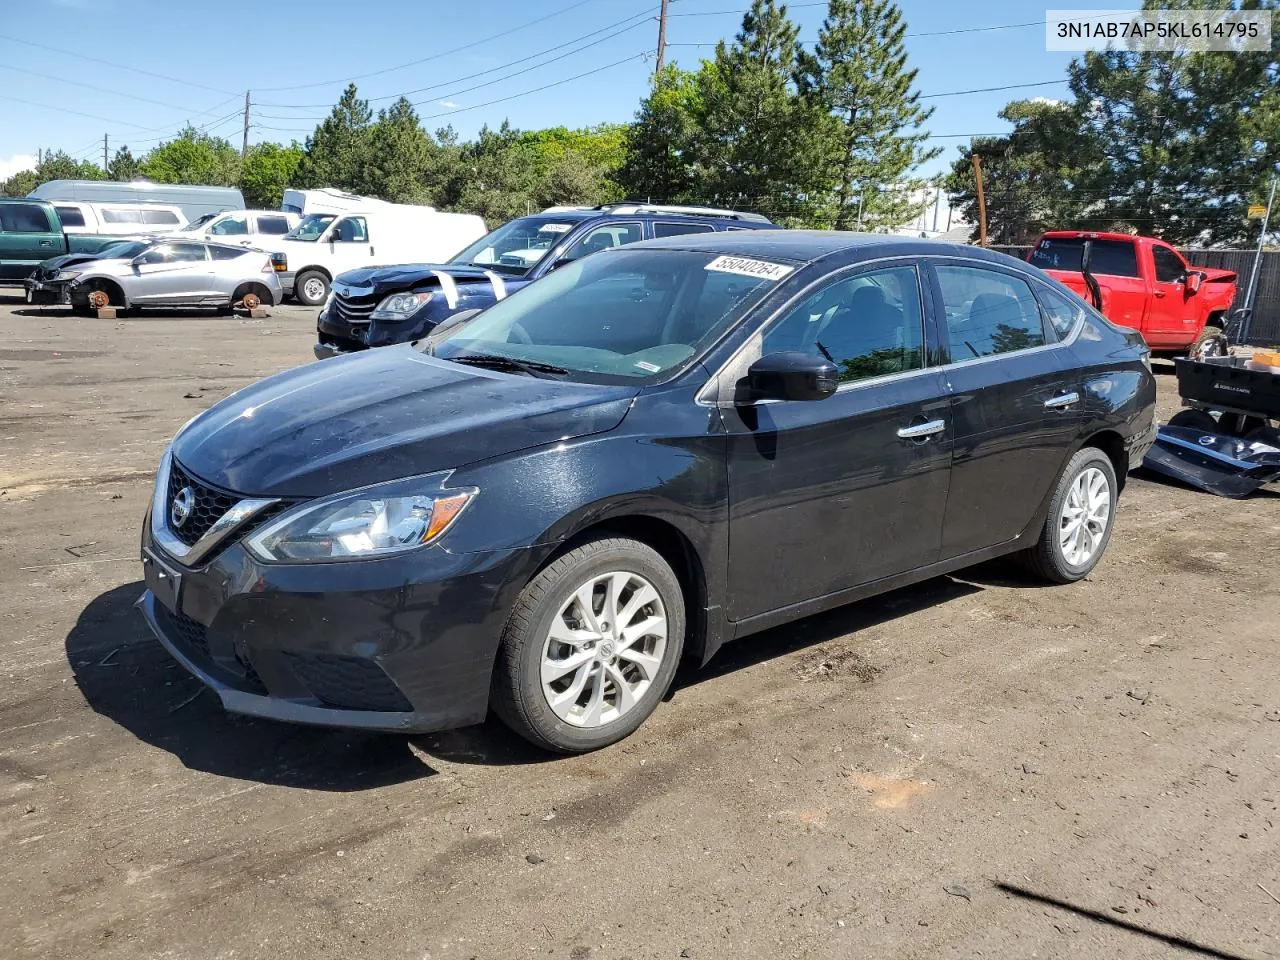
[[1172, 321], [1015, 403], [27, 235], [827, 495]]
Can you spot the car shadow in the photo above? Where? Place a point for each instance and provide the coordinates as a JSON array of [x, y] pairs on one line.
[[1268, 492], [192, 313], [127, 676]]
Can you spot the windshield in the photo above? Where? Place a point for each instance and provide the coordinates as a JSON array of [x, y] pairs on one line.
[[630, 316], [311, 227], [124, 250], [199, 222], [515, 248]]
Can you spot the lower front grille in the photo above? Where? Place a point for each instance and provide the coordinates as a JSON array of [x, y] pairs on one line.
[[192, 633], [348, 683]]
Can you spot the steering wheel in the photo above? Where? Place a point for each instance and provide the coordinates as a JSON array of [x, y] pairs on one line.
[[518, 334]]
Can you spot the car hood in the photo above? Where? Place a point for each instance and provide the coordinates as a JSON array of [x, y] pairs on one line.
[[403, 277], [383, 415], [69, 260]]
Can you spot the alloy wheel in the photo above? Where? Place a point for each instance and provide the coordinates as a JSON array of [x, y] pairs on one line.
[[313, 288], [1085, 515], [604, 649]]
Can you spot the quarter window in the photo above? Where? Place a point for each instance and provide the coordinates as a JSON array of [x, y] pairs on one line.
[[273, 226], [159, 216], [678, 229], [1169, 268], [70, 216], [868, 325], [988, 313], [23, 218]]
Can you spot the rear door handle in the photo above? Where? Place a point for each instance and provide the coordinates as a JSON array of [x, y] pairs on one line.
[[1062, 400], [920, 431]]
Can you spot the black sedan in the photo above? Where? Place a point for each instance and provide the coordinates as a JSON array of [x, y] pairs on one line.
[[644, 455]]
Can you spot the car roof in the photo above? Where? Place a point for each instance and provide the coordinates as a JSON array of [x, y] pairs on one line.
[[806, 246], [1088, 235]]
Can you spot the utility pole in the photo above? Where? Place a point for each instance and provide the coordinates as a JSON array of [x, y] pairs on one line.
[[662, 36], [982, 201], [106, 162], [244, 147], [39, 155], [1257, 262]]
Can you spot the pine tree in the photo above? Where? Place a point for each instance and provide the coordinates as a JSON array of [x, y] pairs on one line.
[[336, 154], [400, 156], [751, 147], [123, 166], [858, 78]]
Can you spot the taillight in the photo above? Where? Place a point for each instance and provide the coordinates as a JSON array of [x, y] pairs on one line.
[[267, 267], [280, 262]]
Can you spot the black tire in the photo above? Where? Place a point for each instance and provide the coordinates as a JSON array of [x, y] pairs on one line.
[[1046, 559], [1210, 343], [517, 696], [1195, 420], [300, 288]]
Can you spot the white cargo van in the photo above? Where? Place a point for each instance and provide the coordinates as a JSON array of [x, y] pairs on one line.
[[381, 234], [80, 216]]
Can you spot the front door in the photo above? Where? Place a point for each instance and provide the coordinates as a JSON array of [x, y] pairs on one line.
[[172, 273], [26, 237], [1015, 404], [350, 245], [1172, 322], [826, 495]]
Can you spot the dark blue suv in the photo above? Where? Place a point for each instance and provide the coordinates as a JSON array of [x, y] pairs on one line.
[[379, 306]]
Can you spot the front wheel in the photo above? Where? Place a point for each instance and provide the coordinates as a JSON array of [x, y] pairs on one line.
[[591, 646], [1081, 514], [311, 287]]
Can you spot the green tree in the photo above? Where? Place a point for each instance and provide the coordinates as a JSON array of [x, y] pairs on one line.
[[496, 177], [20, 184], [193, 157], [123, 167], [751, 147], [54, 165], [267, 170], [1030, 174], [858, 82], [337, 152], [661, 146], [400, 157]]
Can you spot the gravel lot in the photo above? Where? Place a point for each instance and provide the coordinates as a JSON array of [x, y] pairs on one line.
[[880, 781]]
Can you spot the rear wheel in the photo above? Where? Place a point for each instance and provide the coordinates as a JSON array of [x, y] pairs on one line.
[[311, 287], [1081, 514], [1210, 343], [591, 646]]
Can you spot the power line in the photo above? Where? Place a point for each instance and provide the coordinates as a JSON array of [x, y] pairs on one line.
[[94, 86], [119, 66], [434, 56], [1011, 86], [78, 113]]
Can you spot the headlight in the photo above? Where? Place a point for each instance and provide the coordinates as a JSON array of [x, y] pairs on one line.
[[67, 274], [374, 522], [400, 306]]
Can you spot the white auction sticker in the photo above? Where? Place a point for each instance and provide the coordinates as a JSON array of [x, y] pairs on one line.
[[555, 228], [750, 268]]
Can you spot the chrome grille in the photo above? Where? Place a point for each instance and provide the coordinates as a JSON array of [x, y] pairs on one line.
[[351, 311], [210, 504]]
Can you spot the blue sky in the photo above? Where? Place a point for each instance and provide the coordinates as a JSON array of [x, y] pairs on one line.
[[295, 56]]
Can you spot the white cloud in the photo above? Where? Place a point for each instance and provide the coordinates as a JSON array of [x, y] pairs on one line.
[[16, 164], [1049, 101], [448, 105]]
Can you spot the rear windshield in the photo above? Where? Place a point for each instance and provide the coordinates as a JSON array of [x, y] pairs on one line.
[[1113, 258], [625, 316]]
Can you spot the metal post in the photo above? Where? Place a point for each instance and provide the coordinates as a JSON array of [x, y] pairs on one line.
[[1243, 334], [662, 37]]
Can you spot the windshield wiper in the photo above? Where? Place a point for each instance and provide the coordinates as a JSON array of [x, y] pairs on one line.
[[496, 361]]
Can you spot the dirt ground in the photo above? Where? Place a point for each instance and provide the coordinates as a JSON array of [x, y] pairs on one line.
[[974, 767]]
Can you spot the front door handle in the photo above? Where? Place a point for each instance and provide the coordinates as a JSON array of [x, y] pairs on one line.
[[1159, 294], [46, 243], [921, 431], [1062, 400]]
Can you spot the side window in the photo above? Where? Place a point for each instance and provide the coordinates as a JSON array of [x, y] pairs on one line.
[[1063, 312], [1169, 268], [230, 227], [24, 218], [868, 325], [161, 254], [121, 215], [350, 230], [225, 253], [188, 252], [70, 216], [604, 237], [159, 216], [1114, 258], [988, 312], [676, 229], [273, 226]]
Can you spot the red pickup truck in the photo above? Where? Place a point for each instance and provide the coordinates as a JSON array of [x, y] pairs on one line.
[[1144, 284]]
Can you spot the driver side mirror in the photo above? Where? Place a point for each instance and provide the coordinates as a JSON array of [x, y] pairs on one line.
[[1193, 281], [792, 375], [139, 260]]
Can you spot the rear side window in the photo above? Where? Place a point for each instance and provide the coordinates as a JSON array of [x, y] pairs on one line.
[[24, 218], [70, 216], [1063, 312], [988, 313], [159, 216], [225, 253], [1112, 258], [121, 215], [676, 229], [1169, 268], [273, 226]]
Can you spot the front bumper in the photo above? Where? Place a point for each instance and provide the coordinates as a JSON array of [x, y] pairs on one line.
[[46, 291], [399, 644]]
